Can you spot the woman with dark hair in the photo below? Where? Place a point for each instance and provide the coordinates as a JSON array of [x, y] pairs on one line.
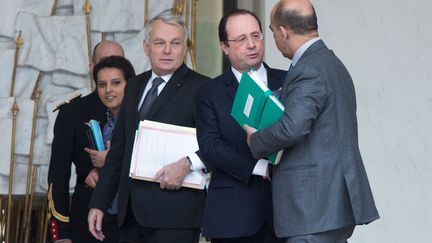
[[110, 75]]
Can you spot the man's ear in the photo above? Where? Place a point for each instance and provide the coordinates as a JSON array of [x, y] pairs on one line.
[[286, 33], [91, 66], [146, 47], [224, 47]]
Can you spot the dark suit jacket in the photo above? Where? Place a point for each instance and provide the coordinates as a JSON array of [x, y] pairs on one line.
[[70, 139], [238, 203], [320, 183], [152, 207]]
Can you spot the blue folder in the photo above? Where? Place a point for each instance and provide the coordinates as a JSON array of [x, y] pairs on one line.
[[96, 134]]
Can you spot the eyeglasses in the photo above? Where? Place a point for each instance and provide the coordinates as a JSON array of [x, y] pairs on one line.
[[242, 40]]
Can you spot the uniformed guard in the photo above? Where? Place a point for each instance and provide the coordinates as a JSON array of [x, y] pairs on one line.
[[68, 216]]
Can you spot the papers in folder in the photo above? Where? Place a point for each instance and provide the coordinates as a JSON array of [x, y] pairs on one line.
[[158, 144]]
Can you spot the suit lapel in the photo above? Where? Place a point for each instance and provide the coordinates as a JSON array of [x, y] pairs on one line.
[[173, 85], [141, 84], [231, 84], [273, 81]]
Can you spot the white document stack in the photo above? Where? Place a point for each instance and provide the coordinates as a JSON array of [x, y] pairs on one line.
[[158, 144]]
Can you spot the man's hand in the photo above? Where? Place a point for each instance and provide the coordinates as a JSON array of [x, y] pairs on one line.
[[98, 157], [92, 178], [94, 220], [249, 130], [172, 175]]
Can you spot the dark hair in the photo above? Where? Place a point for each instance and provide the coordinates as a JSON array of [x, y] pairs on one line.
[[118, 62], [298, 23], [223, 35]]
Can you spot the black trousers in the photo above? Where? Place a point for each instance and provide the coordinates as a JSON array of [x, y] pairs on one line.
[[110, 229], [79, 212], [133, 232], [264, 235]]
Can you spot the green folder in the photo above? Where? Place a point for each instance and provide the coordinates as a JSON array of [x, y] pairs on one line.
[[249, 101], [255, 106], [272, 111]]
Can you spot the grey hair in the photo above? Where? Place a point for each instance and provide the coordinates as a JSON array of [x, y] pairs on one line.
[[167, 17]]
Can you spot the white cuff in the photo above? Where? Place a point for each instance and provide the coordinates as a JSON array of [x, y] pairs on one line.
[[260, 168], [197, 164]]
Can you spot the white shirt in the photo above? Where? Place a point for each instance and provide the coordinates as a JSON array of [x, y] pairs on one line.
[[260, 74]]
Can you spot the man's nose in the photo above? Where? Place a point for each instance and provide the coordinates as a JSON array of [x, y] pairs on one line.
[[167, 48], [250, 43]]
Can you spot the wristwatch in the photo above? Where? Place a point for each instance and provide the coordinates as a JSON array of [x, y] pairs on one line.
[[190, 162]]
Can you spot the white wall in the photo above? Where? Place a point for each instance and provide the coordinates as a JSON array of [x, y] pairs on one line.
[[386, 46]]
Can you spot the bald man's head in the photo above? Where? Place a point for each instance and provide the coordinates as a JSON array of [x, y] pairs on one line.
[[106, 49], [298, 15]]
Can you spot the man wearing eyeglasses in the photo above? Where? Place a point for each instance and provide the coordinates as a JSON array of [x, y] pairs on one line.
[[238, 205]]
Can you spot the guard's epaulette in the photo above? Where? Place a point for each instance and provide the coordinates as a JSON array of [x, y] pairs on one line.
[[66, 102]]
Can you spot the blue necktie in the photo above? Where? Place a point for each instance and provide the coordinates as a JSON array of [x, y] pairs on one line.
[[150, 98]]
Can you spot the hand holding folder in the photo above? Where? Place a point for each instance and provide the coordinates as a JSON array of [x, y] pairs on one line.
[[159, 144], [256, 106]]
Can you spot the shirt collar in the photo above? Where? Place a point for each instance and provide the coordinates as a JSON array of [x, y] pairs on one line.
[[166, 78], [302, 50], [260, 74]]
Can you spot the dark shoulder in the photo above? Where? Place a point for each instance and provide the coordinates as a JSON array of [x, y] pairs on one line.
[[220, 80], [218, 86], [195, 76], [89, 101], [277, 73], [135, 83], [89, 104], [140, 76]]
